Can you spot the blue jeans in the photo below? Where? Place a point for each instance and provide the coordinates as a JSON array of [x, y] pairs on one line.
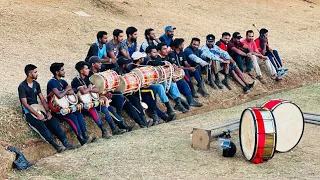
[[239, 60], [93, 114], [196, 75], [275, 52], [159, 89], [174, 91], [117, 101], [184, 87], [107, 116]]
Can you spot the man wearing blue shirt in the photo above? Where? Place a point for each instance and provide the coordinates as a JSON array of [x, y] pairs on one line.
[[131, 41], [167, 37]]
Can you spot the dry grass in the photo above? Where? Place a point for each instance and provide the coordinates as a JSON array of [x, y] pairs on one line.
[[164, 152]]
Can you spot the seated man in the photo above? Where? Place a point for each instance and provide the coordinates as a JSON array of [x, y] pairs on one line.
[[116, 48], [43, 124], [264, 48], [151, 39], [158, 59], [167, 37], [218, 56], [81, 83], [132, 103], [59, 87], [239, 51], [249, 41], [131, 41], [193, 56], [99, 49], [95, 66], [138, 60], [234, 70]]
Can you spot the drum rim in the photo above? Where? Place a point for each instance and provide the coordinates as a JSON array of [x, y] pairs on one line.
[[255, 135], [303, 124]]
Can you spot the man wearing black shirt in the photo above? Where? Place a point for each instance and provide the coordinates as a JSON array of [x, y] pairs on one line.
[[43, 124]]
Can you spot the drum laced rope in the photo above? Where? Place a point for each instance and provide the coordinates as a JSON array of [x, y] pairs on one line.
[[168, 82]]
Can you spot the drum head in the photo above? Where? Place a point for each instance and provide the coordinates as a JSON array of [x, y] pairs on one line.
[[85, 98], [138, 72], [98, 81], [248, 134], [122, 87], [94, 96], [63, 102], [72, 99], [290, 125]]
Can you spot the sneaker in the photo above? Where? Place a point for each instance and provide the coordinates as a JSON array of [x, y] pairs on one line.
[[211, 84], [218, 83], [180, 107], [251, 74], [281, 73], [61, 149], [117, 132], [226, 84], [203, 92], [250, 86], [72, 146], [246, 90], [261, 79]]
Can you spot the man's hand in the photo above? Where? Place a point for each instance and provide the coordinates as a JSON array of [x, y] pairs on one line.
[[264, 57], [203, 63], [192, 69], [49, 116], [114, 60], [249, 55], [226, 62], [40, 117]]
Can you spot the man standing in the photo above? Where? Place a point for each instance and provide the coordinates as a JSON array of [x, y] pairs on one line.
[[44, 124], [99, 49], [82, 84], [59, 87], [263, 47], [217, 57], [118, 99], [239, 51], [131, 41], [167, 37], [249, 41], [151, 39], [193, 56]]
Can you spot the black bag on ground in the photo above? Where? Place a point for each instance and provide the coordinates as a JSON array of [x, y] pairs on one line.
[[21, 162]]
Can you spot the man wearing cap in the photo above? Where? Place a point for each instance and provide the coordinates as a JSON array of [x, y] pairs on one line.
[[235, 72], [218, 58], [132, 103], [240, 51], [193, 56], [151, 39], [167, 37], [130, 44], [117, 100], [99, 49], [151, 99], [162, 57], [249, 41]]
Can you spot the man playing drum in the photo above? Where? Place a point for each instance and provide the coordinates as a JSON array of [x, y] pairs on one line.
[[193, 56], [59, 88], [95, 66], [132, 104], [82, 84], [158, 59], [44, 124]]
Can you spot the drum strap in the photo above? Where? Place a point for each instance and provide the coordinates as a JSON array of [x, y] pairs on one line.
[[261, 137]]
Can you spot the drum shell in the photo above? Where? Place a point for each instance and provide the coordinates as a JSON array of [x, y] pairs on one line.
[[148, 75], [105, 81], [178, 74], [129, 83], [84, 98]]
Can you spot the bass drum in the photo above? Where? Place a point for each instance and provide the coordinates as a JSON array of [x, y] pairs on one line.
[[290, 123]]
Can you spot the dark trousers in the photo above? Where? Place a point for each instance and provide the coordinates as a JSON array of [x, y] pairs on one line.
[[134, 109], [107, 115], [117, 101], [184, 88], [93, 114], [239, 60], [276, 54], [75, 121], [152, 103], [44, 129], [196, 74]]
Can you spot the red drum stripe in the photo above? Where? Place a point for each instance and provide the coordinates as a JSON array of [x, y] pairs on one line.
[[261, 137], [272, 103]]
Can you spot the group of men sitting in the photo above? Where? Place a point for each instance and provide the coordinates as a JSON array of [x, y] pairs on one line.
[[227, 56]]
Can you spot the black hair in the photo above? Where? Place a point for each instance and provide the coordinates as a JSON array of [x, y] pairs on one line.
[[100, 34], [56, 67], [177, 42], [29, 68], [263, 31], [149, 48], [147, 32], [160, 45], [130, 30], [195, 39], [80, 65], [117, 32], [249, 31], [226, 34]]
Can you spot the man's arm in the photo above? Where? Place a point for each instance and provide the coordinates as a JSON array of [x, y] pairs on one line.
[[207, 54], [30, 109]]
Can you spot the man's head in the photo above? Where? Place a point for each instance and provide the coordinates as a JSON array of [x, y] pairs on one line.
[[225, 37], [124, 62], [263, 33], [249, 36], [210, 39], [138, 57], [132, 33], [162, 49], [95, 62], [102, 37], [169, 30], [57, 69], [31, 71], [118, 35], [150, 34], [83, 68], [152, 51], [178, 43], [236, 36], [195, 43]]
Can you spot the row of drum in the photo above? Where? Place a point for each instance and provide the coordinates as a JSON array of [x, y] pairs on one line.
[[276, 126]]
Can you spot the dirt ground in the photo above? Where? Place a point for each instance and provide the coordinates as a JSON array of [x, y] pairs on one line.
[[164, 152], [43, 32]]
